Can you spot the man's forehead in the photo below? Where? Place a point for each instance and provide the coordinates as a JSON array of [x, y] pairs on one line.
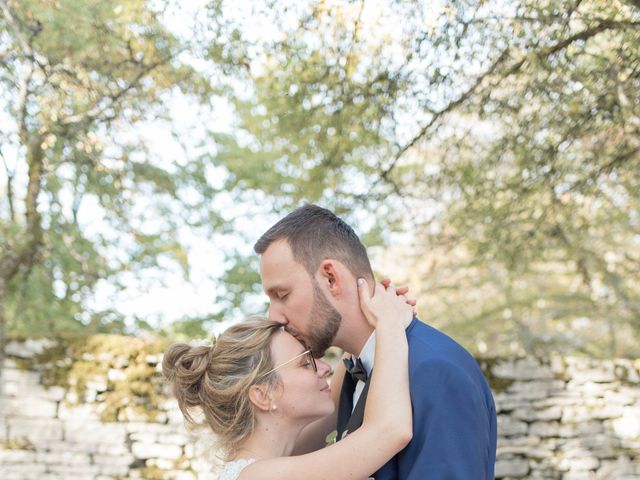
[[278, 269], [277, 262]]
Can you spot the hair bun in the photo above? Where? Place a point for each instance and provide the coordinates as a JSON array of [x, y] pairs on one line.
[[184, 367]]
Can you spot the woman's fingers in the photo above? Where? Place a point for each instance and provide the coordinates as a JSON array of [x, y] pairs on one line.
[[402, 290], [385, 302], [364, 295], [386, 283]]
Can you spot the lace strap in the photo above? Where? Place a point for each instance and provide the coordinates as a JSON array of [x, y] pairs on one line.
[[231, 470]]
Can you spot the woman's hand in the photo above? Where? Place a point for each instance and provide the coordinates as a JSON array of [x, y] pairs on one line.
[[401, 291], [385, 305]]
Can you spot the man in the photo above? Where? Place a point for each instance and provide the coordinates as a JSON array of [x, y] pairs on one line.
[[309, 264]]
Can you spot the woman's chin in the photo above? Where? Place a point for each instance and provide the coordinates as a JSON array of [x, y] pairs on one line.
[[326, 411]]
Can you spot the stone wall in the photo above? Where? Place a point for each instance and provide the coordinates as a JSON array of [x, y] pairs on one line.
[[94, 409], [567, 418], [97, 409]]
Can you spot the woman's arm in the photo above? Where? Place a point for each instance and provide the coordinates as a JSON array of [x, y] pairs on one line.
[[390, 316], [386, 428]]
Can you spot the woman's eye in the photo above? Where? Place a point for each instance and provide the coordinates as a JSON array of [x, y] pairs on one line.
[[283, 296]]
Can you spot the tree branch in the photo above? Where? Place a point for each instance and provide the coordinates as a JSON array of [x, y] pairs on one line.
[[10, 175], [27, 248], [13, 24], [25, 80], [461, 99], [74, 121], [513, 69], [606, 168]]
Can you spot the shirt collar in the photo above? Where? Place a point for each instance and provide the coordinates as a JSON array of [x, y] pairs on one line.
[[368, 352]]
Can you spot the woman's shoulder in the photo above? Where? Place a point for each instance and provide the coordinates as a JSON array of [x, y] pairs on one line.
[[231, 470]]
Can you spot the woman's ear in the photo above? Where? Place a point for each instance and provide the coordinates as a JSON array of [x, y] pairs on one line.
[[259, 396]]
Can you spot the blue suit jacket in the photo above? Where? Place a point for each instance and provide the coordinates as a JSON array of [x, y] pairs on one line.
[[454, 416]]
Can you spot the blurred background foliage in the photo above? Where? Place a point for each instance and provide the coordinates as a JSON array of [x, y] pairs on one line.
[[488, 152]]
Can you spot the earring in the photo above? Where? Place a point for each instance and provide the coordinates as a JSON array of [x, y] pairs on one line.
[[274, 408]]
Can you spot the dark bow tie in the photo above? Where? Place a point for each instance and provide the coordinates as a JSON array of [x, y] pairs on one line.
[[356, 370]]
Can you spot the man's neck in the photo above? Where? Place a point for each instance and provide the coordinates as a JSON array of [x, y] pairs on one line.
[[354, 334]]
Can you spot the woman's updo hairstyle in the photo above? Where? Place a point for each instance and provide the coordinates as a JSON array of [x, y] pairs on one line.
[[216, 379]]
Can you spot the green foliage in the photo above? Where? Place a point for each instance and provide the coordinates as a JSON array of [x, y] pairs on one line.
[[498, 384], [504, 137], [19, 443], [85, 199], [313, 121], [493, 147], [75, 362], [242, 272], [544, 194]]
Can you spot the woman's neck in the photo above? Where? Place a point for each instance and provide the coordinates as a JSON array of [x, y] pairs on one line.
[[272, 438]]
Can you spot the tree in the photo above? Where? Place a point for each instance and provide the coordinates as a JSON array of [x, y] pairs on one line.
[[545, 199], [498, 139], [77, 78], [504, 136]]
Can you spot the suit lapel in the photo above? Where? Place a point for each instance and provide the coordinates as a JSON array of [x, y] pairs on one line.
[[349, 421], [346, 403], [358, 412]]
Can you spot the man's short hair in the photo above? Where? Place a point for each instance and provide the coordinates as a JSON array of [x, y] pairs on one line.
[[315, 234]]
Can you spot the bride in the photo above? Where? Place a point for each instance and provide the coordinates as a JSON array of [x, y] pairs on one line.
[[267, 399]]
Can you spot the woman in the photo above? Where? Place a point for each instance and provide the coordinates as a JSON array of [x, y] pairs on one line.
[[258, 388]]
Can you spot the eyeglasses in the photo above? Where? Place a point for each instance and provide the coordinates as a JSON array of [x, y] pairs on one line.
[[307, 353]]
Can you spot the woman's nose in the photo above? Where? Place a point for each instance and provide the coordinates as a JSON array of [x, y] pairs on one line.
[[323, 368]]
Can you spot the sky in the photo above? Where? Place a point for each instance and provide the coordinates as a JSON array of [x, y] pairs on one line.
[[161, 296], [175, 297]]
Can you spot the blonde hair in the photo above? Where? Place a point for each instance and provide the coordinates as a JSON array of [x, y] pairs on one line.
[[216, 379]]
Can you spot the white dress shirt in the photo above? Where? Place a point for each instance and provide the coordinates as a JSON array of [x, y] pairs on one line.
[[366, 357]]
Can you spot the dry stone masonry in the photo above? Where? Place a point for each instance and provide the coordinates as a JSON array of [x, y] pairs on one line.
[[95, 425], [567, 418], [97, 409]]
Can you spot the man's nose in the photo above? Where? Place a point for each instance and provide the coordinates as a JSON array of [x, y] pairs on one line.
[[276, 316]]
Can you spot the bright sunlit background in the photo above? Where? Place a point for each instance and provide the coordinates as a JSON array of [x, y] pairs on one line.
[[487, 153]]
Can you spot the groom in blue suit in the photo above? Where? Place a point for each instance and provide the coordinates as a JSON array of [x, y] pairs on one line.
[[310, 260]]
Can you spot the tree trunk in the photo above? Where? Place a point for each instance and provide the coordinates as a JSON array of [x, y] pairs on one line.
[[25, 250], [2, 334]]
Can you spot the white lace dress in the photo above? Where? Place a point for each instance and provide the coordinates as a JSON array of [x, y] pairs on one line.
[[231, 470]]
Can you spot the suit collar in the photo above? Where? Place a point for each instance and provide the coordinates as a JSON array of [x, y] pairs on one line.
[[367, 353]]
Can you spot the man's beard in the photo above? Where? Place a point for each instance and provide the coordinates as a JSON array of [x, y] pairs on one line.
[[324, 322]]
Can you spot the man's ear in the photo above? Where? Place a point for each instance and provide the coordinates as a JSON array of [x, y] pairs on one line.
[[330, 276], [259, 396]]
